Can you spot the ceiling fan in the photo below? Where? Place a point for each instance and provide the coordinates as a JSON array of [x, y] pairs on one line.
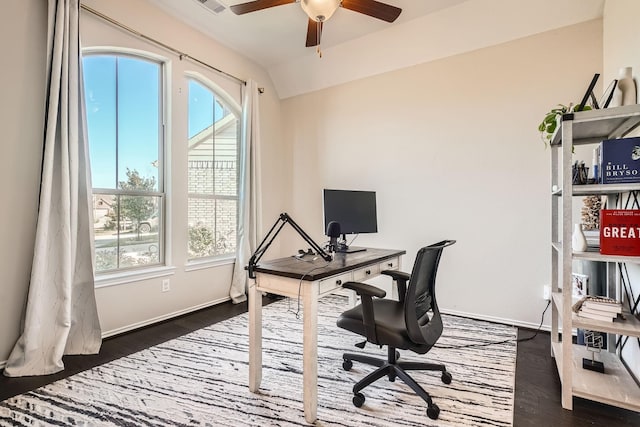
[[320, 11]]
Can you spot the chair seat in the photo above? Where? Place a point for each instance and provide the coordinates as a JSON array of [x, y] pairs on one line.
[[390, 325]]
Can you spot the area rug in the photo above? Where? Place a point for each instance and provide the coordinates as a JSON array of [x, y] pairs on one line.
[[201, 379]]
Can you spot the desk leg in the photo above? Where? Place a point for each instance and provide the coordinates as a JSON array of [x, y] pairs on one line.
[[310, 352], [255, 337]]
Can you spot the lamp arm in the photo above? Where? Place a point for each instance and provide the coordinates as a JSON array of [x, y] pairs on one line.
[[270, 237], [263, 246], [285, 217]]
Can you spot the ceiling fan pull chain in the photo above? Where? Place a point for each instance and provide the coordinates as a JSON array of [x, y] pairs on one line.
[[319, 32]]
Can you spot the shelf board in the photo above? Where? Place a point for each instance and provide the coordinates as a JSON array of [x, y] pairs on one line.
[[628, 327], [594, 126], [599, 189], [593, 254], [615, 387]]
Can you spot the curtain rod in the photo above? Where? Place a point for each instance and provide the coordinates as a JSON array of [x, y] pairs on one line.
[[180, 54]]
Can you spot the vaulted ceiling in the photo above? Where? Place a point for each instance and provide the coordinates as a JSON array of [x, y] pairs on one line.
[[356, 46]]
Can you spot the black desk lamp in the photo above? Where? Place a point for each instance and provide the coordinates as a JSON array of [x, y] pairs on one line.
[[283, 219]]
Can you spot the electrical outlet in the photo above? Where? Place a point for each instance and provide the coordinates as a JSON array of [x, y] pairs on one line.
[[546, 293], [166, 285]]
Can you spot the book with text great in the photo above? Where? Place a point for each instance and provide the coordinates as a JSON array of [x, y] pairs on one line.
[[620, 232]]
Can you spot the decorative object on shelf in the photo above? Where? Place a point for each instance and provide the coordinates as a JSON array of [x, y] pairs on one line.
[[620, 232], [589, 95], [579, 284], [620, 160], [578, 240], [627, 87], [580, 173], [593, 342], [590, 212], [607, 95]]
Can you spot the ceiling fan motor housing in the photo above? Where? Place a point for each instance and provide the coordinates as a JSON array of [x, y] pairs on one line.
[[320, 10]]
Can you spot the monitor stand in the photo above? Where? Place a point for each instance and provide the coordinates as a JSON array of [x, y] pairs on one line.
[[352, 250], [343, 248]]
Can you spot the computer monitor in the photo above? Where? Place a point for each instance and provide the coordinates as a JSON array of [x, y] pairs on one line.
[[355, 211]]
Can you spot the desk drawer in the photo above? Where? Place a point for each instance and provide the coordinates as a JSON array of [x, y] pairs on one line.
[[366, 273], [390, 264], [332, 283]]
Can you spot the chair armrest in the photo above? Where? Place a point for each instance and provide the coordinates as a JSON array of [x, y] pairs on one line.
[[364, 289], [396, 275], [400, 278], [367, 292]]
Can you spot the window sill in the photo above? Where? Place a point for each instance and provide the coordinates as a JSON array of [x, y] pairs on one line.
[[201, 264], [124, 278]]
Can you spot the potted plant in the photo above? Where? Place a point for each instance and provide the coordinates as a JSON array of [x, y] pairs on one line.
[[553, 119]]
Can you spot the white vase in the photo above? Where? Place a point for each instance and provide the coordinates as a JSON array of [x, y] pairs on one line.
[[627, 87], [578, 241]]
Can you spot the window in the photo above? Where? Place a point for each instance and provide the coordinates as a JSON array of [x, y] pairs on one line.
[[213, 174], [123, 95]]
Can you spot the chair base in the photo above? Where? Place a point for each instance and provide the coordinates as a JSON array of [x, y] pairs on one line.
[[393, 368]]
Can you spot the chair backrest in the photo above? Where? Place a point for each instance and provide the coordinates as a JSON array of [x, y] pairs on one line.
[[420, 298]]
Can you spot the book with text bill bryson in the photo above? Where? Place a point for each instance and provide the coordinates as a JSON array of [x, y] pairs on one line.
[[620, 160]]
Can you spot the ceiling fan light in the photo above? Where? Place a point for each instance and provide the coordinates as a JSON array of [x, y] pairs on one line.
[[320, 10]]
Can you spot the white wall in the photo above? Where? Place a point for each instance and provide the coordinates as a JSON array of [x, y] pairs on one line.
[[136, 303], [452, 149], [23, 27], [621, 48]]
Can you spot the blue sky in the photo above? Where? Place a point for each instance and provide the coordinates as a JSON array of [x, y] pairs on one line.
[[129, 116]]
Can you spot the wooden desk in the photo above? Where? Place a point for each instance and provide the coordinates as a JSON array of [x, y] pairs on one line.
[[283, 277]]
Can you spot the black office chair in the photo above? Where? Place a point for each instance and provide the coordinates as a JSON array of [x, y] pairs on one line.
[[412, 323]]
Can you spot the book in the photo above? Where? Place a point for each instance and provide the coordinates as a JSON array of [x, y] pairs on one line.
[[620, 160], [588, 315], [608, 308], [606, 313], [595, 301], [620, 232]]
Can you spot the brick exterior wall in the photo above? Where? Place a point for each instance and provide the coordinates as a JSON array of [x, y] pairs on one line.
[[218, 215]]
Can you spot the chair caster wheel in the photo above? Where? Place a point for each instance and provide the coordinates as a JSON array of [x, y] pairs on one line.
[[433, 411], [392, 378], [446, 377], [358, 400], [347, 365], [397, 355]]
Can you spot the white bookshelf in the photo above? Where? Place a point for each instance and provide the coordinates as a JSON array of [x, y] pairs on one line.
[[616, 386]]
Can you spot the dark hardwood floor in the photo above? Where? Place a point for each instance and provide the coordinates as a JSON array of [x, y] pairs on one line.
[[537, 396]]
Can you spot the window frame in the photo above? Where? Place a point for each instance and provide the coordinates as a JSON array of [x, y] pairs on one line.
[[121, 275], [235, 109]]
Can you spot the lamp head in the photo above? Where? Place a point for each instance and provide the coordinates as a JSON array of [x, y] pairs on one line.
[[320, 10]]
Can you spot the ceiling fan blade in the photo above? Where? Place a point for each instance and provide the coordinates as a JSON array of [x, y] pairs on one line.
[[314, 32], [373, 8], [252, 6]]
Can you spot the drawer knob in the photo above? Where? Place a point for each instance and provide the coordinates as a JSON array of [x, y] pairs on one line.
[[390, 264], [368, 272], [339, 282]]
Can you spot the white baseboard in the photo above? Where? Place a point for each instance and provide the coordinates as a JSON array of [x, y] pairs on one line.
[[494, 319], [167, 316]]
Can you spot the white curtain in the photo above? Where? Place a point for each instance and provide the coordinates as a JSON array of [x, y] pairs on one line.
[[61, 315], [249, 190]]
